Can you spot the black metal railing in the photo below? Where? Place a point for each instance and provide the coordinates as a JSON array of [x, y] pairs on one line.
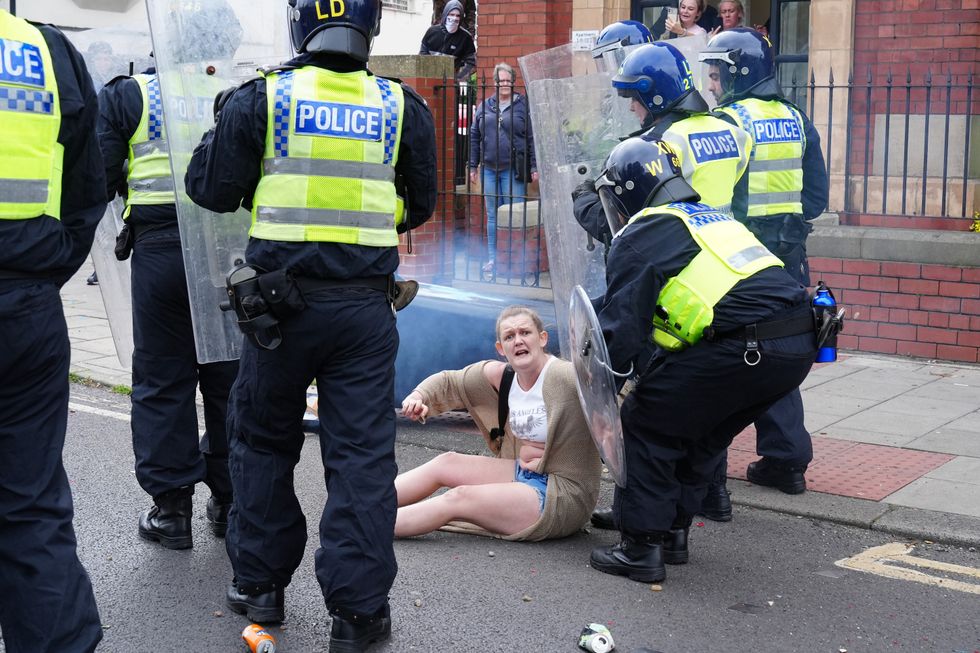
[[879, 168], [497, 190]]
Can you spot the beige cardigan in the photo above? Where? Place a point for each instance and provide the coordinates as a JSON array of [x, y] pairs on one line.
[[570, 459]]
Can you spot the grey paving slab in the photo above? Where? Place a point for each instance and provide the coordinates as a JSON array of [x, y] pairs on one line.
[[909, 404], [952, 388], [829, 401], [963, 469], [864, 388], [969, 422], [949, 440], [902, 426], [939, 494], [816, 422], [104, 346], [90, 332]]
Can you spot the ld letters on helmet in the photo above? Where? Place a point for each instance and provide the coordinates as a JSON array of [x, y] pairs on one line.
[[335, 9]]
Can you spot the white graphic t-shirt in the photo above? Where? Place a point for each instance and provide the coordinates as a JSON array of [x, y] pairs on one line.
[[528, 420]]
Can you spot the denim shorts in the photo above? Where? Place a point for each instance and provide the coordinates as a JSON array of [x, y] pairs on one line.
[[537, 482]]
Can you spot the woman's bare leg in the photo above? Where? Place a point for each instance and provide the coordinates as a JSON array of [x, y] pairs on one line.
[[503, 508], [451, 469]]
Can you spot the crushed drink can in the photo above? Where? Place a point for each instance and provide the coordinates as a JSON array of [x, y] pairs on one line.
[[258, 639], [596, 638]]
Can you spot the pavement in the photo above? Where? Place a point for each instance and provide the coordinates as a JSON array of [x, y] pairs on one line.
[[896, 440]]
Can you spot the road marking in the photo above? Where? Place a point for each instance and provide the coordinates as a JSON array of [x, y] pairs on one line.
[[876, 561], [84, 408]]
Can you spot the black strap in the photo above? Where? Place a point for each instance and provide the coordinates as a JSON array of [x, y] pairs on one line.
[[503, 397], [790, 326]]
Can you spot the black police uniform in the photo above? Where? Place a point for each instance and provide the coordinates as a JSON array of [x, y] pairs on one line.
[[346, 339], [780, 432], [170, 455], [46, 599], [689, 405]]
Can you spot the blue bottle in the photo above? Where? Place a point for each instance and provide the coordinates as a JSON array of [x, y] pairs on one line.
[[825, 308]]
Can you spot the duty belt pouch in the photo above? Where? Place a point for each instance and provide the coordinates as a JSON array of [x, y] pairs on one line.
[[282, 293], [124, 242], [255, 319]]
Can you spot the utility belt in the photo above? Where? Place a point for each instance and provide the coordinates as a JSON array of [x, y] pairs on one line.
[[801, 320], [781, 228], [130, 233], [261, 300]]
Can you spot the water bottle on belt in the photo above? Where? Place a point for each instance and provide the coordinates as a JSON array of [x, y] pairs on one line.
[[825, 309]]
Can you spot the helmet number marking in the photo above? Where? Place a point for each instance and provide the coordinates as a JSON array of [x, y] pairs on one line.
[[334, 10]]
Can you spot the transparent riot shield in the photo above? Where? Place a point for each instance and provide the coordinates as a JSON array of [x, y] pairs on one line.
[[691, 47], [201, 48], [114, 282], [578, 118], [112, 51], [596, 383]]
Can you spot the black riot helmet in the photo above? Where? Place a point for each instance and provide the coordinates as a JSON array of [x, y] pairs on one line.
[[746, 64], [334, 26], [638, 173]]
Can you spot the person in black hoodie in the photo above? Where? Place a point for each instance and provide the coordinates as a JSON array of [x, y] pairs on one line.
[[449, 37]]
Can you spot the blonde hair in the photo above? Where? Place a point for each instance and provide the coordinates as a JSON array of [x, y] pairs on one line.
[[737, 3], [515, 310]]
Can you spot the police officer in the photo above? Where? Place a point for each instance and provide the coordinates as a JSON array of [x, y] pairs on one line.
[[786, 187], [712, 155], [51, 200], [734, 333], [619, 35], [315, 147], [170, 456]]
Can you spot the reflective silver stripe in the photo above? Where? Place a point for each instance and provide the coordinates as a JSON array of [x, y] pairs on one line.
[[151, 184], [23, 191], [328, 168], [792, 196], [325, 217], [724, 208], [775, 165], [150, 147], [747, 255]]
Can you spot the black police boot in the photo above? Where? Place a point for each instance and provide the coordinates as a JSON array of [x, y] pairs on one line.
[[603, 518], [354, 633], [169, 520], [217, 516], [769, 472], [717, 503], [640, 558], [675, 547], [265, 608]]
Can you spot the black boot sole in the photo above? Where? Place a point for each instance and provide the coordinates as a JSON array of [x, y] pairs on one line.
[[358, 645], [167, 542], [258, 615], [798, 487], [716, 516], [218, 529], [639, 575]]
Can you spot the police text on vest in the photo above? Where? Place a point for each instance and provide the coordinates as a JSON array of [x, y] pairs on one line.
[[712, 146], [776, 130], [21, 63], [339, 120]]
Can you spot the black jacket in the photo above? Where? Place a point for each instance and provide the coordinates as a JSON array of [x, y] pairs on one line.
[[45, 247], [643, 257], [459, 45], [502, 139], [120, 111], [225, 170]]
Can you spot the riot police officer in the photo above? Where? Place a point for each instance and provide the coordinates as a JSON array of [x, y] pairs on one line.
[[171, 457], [734, 333], [315, 148], [712, 155], [785, 188], [51, 200]]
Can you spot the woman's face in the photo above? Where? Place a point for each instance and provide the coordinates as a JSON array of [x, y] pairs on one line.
[[520, 342], [731, 16], [688, 12]]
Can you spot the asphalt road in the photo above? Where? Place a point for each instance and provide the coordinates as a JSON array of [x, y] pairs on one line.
[[764, 582]]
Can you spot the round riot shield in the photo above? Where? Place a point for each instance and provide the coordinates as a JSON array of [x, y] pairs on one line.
[[200, 49], [114, 282], [578, 118], [596, 383]]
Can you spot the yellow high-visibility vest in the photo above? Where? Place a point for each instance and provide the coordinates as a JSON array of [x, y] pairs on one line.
[[149, 178], [729, 253], [329, 169], [30, 119]]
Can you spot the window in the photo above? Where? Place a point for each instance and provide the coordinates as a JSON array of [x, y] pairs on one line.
[[791, 37], [653, 14], [398, 5]]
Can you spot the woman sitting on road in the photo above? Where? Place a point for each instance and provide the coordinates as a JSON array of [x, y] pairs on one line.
[[544, 480]]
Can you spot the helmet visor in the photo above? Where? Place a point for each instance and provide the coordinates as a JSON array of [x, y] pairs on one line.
[[725, 56], [616, 214]]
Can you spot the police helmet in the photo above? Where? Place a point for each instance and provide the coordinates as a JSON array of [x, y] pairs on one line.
[[619, 35], [746, 64], [659, 77], [638, 173], [334, 26]]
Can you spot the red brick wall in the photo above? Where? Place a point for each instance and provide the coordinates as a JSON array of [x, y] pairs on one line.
[[432, 243], [927, 311], [509, 29]]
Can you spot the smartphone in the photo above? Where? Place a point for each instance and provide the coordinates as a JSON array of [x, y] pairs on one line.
[[672, 13]]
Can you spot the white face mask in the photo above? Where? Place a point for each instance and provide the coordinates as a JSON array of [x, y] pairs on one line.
[[452, 23]]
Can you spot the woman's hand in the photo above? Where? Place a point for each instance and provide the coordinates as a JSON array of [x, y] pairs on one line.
[[675, 26], [473, 175], [714, 31], [414, 408], [530, 456]]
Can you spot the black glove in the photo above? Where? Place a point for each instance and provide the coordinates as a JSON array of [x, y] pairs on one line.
[[221, 99], [586, 187]]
